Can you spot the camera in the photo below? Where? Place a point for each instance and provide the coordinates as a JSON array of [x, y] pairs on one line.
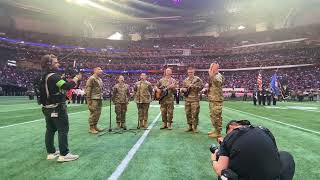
[[213, 149], [71, 72]]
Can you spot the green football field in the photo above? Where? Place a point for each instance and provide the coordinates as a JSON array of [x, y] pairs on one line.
[[153, 154]]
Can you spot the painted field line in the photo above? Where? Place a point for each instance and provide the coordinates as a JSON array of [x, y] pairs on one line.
[[37, 120], [279, 122], [124, 163]]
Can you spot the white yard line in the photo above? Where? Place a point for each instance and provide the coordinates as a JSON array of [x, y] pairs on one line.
[[124, 163], [279, 122], [17, 124]]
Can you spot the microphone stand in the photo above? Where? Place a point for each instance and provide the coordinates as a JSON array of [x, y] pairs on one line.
[[115, 131], [110, 130]]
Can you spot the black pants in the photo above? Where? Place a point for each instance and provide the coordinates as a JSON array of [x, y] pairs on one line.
[[244, 97], [274, 101], [259, 99], [78, 99], [287, 168], [263, 100], [74, 98], [269, 100], [60, 124], [82, 99]]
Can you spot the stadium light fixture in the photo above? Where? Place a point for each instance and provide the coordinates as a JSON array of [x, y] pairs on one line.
[[241, 27], [116, 36], [81, 2]]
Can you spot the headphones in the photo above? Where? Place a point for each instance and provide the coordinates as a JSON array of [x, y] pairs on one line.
[[49, 63]]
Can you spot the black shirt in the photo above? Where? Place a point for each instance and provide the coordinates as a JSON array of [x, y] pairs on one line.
[[55, 85], [252, 153]]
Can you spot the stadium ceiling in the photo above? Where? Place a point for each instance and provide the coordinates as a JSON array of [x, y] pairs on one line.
[[228, 11], [184, 17]]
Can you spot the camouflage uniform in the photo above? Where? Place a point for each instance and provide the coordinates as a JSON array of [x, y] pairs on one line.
[[215, 97], [120, 98], [94, 97], [167, 105], [192, 106], [143, 97]]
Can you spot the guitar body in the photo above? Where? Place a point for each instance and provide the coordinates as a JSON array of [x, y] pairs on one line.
[[157, 95], [163, 94], [186, 94]]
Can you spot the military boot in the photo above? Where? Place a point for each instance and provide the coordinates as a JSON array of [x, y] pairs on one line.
[[141, 125], [145, 124], [123, 125], [98, 129], [164, 126], [92, 130], [169, 126], [195, 128], [215, 134], [189, 129], [211, 132], [118, 125]]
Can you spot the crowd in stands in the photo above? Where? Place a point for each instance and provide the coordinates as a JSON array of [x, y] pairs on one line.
[[296, 78], [304, 77], [306, 55]]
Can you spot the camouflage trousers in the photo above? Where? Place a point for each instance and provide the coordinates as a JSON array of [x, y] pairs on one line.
[[166, 109], [215, 108], [95, 111], [143, 109], [192, 112], [120, 110]]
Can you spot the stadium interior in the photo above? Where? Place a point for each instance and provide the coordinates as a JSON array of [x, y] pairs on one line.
[[247, 38]]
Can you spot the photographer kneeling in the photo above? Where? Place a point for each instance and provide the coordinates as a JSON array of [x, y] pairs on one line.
[[250, 153]]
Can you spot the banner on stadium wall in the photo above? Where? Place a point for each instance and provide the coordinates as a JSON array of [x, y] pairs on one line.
[[186, 52], [231, 89], [259, 68]]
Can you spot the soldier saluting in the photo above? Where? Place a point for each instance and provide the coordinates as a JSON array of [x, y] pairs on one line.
[[215, 97]]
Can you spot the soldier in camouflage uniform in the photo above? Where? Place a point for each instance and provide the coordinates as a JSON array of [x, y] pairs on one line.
[[143, 96], [215, 97], [193, 85], [94, 98], [166, 104], [120, 98]]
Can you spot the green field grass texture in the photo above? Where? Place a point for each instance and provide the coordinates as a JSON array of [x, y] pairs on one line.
[[163, 155]]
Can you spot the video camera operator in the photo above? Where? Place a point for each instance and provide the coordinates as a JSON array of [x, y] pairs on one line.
[[53, 100], [250, 153]]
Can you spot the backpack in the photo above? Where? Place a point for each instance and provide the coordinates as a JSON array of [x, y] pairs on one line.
[[41, 88]]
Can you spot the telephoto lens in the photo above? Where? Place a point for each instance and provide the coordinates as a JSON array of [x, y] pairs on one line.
[[213, 149]]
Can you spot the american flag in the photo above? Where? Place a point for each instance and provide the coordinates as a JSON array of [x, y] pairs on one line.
[[259, 82]]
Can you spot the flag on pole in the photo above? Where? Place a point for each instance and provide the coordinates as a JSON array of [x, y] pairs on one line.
[[259, 82], [274, 84]]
